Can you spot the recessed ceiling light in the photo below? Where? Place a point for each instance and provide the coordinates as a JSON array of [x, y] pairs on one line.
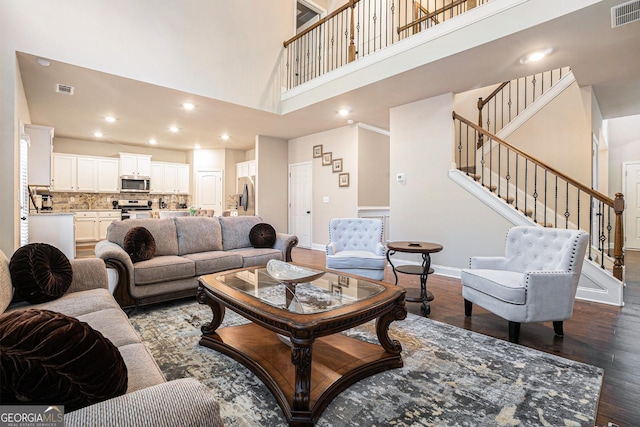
[[535, 56], [224, 137], [174, 129], [153, 141], [110, 119], [188, 106], [98, 134], [196, 147], [343, 112], [43, 62]]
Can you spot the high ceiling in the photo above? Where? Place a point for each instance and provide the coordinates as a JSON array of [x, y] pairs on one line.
[[606, 59]]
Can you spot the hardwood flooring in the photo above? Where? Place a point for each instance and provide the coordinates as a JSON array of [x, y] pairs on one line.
[[597, 334]]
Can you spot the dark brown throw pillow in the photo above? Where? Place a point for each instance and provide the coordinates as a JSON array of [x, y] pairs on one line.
[[262, 235], [139, 244], [48, 358], [40, 272]]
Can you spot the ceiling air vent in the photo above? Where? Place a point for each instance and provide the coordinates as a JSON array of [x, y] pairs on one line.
[[65, 89], [625, 13]]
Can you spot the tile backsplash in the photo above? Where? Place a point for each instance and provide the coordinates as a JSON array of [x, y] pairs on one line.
[[83, 201]]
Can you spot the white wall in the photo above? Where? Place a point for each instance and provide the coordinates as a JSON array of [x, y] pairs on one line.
[[342, 201], [429, 206]]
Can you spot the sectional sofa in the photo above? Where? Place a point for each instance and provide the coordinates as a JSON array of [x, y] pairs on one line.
[[185, 248], [149, 400]]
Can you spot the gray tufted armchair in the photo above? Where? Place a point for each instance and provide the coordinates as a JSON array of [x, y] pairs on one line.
[[356, 247], [536, 280]]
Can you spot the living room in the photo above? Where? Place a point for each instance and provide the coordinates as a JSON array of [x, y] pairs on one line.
[[411, 204]]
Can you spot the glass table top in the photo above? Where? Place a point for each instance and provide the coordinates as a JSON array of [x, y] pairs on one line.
[[326, 292]]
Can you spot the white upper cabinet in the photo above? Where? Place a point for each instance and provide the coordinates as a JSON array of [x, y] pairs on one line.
[[246, 169], [87, 174], [135, 165], [169, 178]]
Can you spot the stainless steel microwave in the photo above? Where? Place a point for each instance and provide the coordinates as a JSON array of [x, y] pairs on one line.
[[134, 184]]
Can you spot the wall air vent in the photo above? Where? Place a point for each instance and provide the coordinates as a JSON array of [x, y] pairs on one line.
[[64, 89], [625, 13]]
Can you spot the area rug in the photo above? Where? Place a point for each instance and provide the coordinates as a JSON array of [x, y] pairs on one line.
[[451, 377]]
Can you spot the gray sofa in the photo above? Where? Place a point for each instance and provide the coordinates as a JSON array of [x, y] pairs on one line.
[[149, 399], [186, 248]]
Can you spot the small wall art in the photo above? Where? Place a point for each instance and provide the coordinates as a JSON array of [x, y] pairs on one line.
[[317, 151], [343, 179], [326, 159], [337, 165]]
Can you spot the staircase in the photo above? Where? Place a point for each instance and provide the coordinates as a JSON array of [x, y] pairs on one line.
[[526, 191]]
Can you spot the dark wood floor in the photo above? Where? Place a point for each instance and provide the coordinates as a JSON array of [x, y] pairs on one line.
[[597, 334]]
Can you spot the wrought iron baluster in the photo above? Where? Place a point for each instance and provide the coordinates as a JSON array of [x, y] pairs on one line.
[[526, 183], [508, 176], [609, 232], [535, 192], [566, 212], [545, 198], [590, 226], [555, 210], [602, 235]]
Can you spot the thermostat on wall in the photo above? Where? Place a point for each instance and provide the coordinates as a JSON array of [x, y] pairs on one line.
[[401, 177]]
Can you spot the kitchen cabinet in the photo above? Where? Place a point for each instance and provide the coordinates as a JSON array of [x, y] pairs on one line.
[[86, 174], [64, 172], [169, 178], [91, 226], [108, 175], [246, 169], [40, 150], [137, 165]]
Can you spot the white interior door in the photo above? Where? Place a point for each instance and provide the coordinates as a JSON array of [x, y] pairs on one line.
[[632, 206], [300, 189], [209, 190]]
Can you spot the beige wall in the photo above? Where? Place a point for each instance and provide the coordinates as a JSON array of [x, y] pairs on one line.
[[373, 168], [429, 206], [109, 149], [271, 183], [560, 135], [342, 201]]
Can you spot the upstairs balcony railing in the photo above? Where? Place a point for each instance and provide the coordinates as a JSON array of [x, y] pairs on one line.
[[541, 192], [359, 28]]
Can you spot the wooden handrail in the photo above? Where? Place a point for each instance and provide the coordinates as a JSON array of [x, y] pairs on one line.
[[482, 103], [430, 15], [351, 4], [590, 191]]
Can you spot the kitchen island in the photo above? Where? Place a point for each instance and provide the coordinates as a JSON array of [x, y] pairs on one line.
[[54, 228]]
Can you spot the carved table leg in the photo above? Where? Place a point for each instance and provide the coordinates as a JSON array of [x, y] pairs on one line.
[[217, 310], [426, 265], [399, 312], [301, 359]]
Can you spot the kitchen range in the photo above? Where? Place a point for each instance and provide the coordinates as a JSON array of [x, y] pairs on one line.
[[128, 206]]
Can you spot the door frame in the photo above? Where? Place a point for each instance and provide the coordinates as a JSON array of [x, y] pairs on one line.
[[289, 216], [625, 216]]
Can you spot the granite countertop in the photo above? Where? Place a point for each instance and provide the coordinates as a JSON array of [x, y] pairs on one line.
[[49, 213]]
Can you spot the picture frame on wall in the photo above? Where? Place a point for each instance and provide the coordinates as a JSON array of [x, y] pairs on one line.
[[337, 165], [317, 151], [343, 179], [326, 159]]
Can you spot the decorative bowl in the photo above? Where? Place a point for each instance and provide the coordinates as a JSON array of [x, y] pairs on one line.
[[288, 273]]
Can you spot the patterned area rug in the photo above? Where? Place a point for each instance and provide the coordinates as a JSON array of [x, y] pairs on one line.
[[451, 377]]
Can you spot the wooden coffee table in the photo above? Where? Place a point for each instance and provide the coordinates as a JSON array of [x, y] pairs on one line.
[[310, 362]]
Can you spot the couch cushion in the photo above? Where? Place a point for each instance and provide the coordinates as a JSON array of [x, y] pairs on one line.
[[504, 285], [75, 304], [139, 244], [40, 272], [142, 367], [6, 288], [253, 257], [262, 235], [114, 324], [163, 231], [198, 234], [47, 357], [355, 259], [213, 261], [235, 231], [163, 269]]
